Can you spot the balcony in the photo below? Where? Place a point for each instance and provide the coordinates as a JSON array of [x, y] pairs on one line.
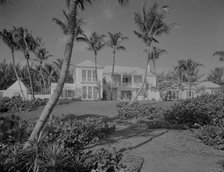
[[127, 84]]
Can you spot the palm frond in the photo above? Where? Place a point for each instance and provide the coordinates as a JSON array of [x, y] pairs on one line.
[[61, 24]]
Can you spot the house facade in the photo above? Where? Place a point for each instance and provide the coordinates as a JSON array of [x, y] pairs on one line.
[[126, 83], [196, 89], [84, 84], [14, 90]]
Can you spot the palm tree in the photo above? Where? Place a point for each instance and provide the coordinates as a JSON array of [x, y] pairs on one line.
[[42, 55], [95, 44], [220, 54], [190, 69], [114, 42], [8, 40], [151, 25], [154, 55], [26, 43], [179, 71], [73, 6], [216, 75]]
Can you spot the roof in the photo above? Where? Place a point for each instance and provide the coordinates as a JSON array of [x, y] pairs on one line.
[[206, 84], [209, 84], [124, 70], [87, 63], [15, 86]]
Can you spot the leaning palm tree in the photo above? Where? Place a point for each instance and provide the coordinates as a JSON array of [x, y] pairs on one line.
[[7, 38], [73, 7], [114, 42], [154, 55], [42, 55], [95, 44], [220, 54], [26, 43], [150, 25]]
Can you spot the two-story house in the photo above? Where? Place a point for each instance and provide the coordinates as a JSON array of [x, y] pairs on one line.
[[84, 84], [126, 83]]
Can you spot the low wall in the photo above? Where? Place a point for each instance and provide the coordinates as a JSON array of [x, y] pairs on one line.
[[40, 96]]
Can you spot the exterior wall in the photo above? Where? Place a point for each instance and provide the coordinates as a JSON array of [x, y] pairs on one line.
[[68, 91], [80, 84], [15, 92], [153, 95]]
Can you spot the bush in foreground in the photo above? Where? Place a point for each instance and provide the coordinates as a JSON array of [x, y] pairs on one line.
[[138, 110], [60, 146], [203, 110]]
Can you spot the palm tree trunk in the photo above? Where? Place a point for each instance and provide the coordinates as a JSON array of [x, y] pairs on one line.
[[154, 67], [65, 66], [30, 77], [17, 75], [97, 82], [112, 75], [42, 75], [144, 81]]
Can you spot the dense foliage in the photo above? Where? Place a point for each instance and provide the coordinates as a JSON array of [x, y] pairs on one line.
[[206, 109], [139, 110], [212, 135], [60, 146], [17, 104], [50, 72]]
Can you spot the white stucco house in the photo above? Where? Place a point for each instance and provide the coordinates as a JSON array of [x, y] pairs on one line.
[[126, 82], [14, 90], [197, 89], [84, 84]]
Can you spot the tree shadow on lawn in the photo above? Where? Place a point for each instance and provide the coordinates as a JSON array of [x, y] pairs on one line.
[[86, 116], [130, 132]]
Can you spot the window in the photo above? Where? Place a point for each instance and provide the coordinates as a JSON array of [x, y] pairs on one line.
[[94, 76], [69, 93], [90, 92], [83, 75], [84, 92], [190, 94], [95, 90], [89, 75]]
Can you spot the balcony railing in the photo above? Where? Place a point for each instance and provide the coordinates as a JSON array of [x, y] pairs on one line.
[[126, 84]]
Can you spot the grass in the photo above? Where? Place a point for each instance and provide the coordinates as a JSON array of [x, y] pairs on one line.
[[84, 108]]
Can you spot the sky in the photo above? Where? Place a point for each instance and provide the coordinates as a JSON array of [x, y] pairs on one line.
[[199, 35]]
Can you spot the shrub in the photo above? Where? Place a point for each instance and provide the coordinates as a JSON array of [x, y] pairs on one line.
[[212, 135], [61, 145], [203, 110], [17, 104], [137, 110]]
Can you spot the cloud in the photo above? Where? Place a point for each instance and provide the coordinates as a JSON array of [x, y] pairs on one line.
[[108, 14]]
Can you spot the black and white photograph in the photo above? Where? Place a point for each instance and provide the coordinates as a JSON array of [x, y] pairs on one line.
[[111, 85]]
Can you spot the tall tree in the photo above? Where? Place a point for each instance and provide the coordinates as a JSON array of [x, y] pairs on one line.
[[41, 56], [26, 43], [216, 75], [150, 25], [220, 54], [114, 42], [95, 44], [73, 6], [7, 38], [190, 70], [154, 55]]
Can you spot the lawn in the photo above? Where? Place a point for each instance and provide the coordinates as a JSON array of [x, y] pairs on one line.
[[84, 108]]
